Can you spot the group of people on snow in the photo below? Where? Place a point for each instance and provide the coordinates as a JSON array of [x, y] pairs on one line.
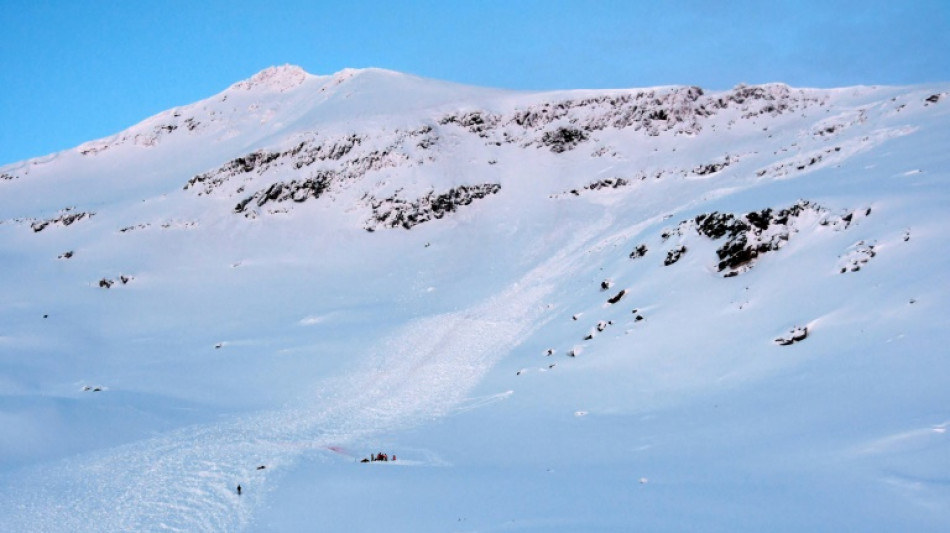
[[378, 457]]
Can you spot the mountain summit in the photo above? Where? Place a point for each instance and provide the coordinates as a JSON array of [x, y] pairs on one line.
[[659, 308]]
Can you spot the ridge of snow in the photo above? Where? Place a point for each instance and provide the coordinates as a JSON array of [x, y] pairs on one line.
[[276, 78]]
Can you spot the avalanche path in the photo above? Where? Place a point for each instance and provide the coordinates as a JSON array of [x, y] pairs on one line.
[[185, 480]]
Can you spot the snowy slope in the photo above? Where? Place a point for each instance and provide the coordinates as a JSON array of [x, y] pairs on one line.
[[648, 309]]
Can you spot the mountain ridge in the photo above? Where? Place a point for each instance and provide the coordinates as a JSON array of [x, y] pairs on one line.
[[649, 110], [654, 308], [295, 76]]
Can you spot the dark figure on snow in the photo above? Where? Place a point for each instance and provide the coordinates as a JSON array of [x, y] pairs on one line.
[[239, 490]]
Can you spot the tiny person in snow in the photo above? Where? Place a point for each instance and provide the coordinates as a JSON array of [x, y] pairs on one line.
[[239, 490]]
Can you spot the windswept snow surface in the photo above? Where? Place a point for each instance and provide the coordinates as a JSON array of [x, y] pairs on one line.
[[650, 309]]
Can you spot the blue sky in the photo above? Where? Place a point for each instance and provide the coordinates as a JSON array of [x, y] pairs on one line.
[[72, 71]]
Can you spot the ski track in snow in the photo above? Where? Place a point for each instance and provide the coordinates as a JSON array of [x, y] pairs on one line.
[[185, 480]]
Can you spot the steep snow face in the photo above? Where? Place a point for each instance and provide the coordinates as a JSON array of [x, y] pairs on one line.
[[657, 309]]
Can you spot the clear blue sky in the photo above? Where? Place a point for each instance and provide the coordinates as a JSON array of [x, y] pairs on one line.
[[72, 71]]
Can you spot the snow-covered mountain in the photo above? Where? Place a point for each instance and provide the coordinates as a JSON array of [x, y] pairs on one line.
[[661, 309]]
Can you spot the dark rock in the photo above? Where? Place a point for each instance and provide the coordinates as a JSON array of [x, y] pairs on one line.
[[607, 183], [66, 217], [674, 255], [477, 122], [395, 212], [293, 190], [795, 335], [563, 139], [711, 168], [617, 297], [744, 234]]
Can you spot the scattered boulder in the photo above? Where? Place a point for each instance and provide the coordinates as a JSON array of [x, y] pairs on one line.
[[674, 255], [66, 217], [797, 334], [616, 298], [638, 252], [712, 168], [107, 283], [606, 183], [856, 257]]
